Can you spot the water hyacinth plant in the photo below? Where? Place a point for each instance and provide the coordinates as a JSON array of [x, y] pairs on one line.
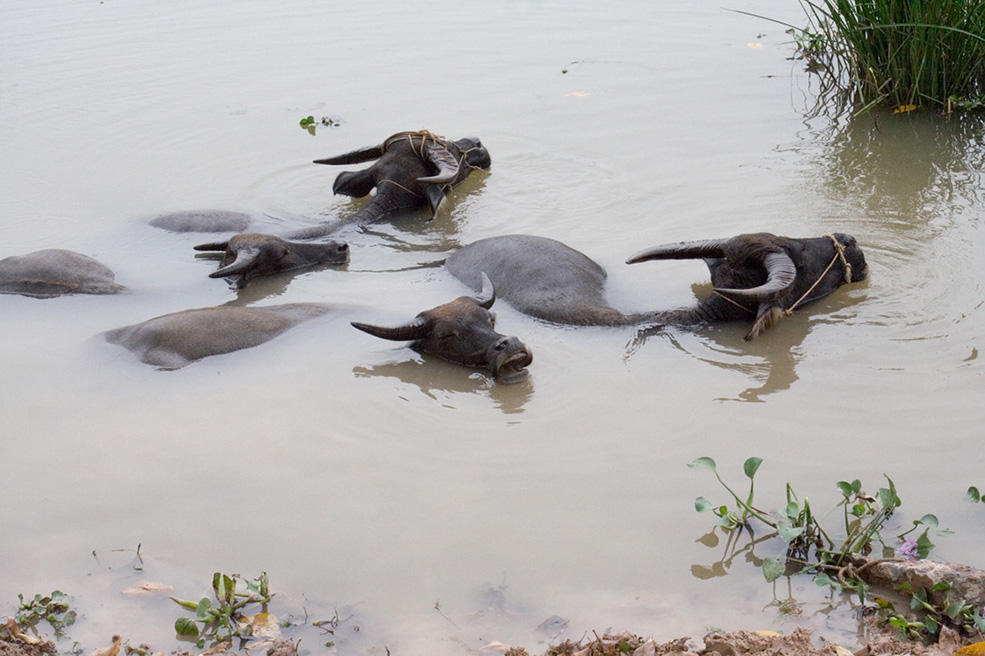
[[905, 53]]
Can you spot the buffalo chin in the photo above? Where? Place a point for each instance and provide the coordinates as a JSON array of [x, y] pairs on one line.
[[512, 368]]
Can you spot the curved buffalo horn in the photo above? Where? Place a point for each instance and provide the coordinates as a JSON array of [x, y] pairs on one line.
[[682, 250], [355, 157], [244, 260], [212, 246], [447, 164], [487, 296], [416, 329], [781, 272]]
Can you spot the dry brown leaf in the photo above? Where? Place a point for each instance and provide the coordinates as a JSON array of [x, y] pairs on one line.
[[112, 650], [147, 587], [263, 625], [15, 632]]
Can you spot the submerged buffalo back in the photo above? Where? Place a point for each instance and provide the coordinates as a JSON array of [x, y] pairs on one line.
[[174, 340], [55, 272], [538, 276]]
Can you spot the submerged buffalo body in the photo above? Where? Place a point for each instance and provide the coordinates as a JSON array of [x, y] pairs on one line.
[[55, 272], [174, 340], [758, 276], [204, 221], [252, 255], [412, 170], [463, 332]]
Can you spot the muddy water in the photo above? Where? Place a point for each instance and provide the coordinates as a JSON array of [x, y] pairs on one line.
[[435, 508]]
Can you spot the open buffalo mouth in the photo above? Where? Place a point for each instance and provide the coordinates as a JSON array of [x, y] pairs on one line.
[[512, 367]]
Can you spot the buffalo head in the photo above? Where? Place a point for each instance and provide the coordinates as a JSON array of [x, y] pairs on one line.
[[251, 255], [763, 276], [412, 169], [462, 332]]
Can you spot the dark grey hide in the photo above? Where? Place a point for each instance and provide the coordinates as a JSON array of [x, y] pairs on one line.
[[55, 272]]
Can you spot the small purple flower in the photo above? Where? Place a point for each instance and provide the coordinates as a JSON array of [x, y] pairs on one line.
[[908, 550]]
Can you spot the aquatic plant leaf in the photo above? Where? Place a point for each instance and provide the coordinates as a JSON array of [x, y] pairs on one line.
[[702, 505], [787, 532], [751, 466], [702, 463], [184, 603], [772, 569], [203, 608], [185, 626], [973, 495]]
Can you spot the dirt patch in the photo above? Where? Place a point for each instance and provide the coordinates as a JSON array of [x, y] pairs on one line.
[[801, 642]]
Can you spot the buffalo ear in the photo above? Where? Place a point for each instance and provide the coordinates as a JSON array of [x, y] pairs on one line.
[[354, 183], [435, 196], [416, 329], [768, 316], [213, 246]]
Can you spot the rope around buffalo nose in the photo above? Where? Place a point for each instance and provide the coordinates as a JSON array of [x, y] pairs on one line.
[[839, 255]]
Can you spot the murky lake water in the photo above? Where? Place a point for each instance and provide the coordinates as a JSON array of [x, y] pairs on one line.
[[439, 510]]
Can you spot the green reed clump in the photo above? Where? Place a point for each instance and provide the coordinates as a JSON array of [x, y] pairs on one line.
[[899, 52]]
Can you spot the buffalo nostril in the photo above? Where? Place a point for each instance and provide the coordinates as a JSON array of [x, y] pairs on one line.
[[344, 247]]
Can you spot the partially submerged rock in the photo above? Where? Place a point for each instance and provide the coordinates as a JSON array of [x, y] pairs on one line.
[[55, 272], [174, 340], [962, 582]]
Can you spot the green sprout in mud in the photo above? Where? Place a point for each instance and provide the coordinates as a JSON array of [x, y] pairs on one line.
[[224, 620], [53, 608], [829, 546]]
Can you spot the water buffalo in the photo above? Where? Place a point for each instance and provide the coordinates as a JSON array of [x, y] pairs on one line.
[[755, 276], [462, 332], [412, 170], [55, 272], [251, 255], [174, 340]]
